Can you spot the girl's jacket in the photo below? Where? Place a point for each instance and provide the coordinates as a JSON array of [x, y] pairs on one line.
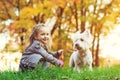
[[36, 48]]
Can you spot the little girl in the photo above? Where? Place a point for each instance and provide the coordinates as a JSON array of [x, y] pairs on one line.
[[37, 53]]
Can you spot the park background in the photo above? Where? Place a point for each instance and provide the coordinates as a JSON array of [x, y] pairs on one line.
[[63, 17]]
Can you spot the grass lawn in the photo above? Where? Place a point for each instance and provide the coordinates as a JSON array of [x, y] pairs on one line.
[[65, 73]]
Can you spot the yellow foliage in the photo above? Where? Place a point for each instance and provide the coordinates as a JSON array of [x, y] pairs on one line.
[[27, 13], [27, 24]]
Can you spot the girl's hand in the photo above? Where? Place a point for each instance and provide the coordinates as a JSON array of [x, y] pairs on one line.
[[60, 53], [61, 63]]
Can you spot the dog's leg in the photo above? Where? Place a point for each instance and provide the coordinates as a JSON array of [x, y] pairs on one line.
[[90, 67], [71, 62], [76, 68]]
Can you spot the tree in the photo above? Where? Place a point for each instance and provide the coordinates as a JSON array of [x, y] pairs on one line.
[[98, 16]]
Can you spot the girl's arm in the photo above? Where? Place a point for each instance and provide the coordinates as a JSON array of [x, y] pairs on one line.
[[36, 48], [57, 54]]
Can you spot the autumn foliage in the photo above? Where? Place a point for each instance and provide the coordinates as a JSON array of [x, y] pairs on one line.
[[99, 16]]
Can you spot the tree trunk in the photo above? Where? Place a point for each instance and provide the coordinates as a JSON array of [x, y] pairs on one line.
[[83, 14], [59, 12], [97, 51], [76, 15], [22, 32], [93, 50]]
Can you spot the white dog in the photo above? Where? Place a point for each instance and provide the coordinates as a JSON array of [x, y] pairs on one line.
[[82, 56]]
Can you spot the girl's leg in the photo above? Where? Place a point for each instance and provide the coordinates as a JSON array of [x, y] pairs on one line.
[[30, 62], [33, 60], [46, 65]]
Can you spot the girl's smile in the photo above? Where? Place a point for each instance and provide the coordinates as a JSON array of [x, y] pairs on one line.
[[43, 35]]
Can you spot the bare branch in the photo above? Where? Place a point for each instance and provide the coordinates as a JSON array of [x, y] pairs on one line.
[[6, 9], [10, 2]]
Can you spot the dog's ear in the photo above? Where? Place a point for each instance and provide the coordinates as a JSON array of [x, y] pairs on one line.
[[71, 36], [88, 35], [75, 35], [86, 32]]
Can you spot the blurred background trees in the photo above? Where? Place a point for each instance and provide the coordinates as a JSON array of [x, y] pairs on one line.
[[68, 16]]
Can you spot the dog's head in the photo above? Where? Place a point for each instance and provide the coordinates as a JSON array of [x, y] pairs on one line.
[[82, 41]]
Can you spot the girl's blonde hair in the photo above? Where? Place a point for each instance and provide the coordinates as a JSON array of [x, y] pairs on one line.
[[36, 30]]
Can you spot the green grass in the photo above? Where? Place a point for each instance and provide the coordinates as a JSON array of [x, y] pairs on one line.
[[65, 73]]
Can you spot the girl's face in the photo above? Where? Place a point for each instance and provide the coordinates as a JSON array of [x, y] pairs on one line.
[[43, 35]]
